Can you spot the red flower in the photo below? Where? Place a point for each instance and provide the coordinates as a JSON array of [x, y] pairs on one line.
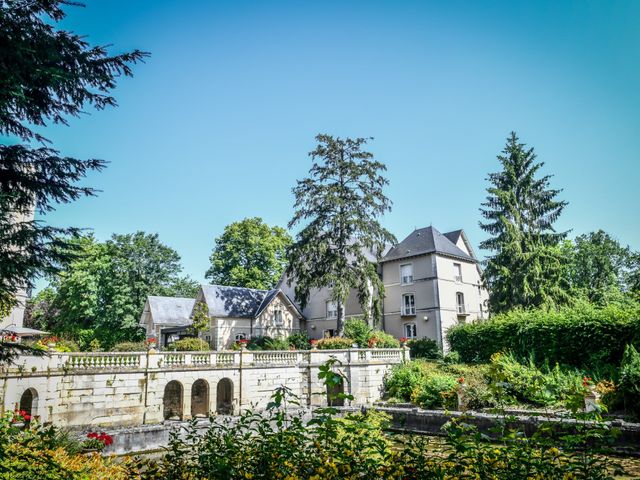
[[586, 381], [313, 341], [404, 340], [461, 380]]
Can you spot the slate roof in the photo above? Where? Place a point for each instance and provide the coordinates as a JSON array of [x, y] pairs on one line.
[[171, 310], [453, 236], [238, 302], [427, 240]]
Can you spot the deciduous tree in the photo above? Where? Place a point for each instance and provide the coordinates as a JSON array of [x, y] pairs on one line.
[[339, 206], [250, 254]]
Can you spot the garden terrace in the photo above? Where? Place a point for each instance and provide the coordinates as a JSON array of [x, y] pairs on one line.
[[137, 388]]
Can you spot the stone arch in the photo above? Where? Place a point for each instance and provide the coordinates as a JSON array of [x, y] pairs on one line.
[[200, 398], [224, 397], [172, 401], [29, 402], [334, 393]]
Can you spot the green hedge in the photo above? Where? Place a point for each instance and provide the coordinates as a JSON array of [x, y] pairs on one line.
[[583, 336]]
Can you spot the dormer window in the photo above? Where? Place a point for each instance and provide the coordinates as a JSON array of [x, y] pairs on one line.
[[406, 274]]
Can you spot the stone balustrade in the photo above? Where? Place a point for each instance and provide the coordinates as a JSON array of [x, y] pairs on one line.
[[133, 388], [75, 362]]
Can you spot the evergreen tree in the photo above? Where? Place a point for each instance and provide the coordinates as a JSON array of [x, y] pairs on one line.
[[528, 266], [48, 75], [339, 206]]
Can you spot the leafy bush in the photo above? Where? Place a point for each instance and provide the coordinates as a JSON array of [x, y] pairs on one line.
[[436, 390], [424, 348], [268, 343], [526, 383], [630, 379], [403, 379], [334, 343], [129, 347], [380, 339], [282, 445], [583, 336], [189, 344], [358, 330], [300, 340]]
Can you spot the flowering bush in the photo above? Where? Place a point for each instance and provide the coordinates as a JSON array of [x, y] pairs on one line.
[[334, 343], [97, 441], [20, 416]]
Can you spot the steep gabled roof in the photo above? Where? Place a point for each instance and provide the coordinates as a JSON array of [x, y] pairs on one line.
[[170, 310], [453, 236], [426, 240], [239, 302], [235, 302]]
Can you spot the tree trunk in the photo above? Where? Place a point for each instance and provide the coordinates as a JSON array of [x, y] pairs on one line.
[[340, 321]]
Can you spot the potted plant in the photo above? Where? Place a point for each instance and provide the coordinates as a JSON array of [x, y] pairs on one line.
[[314, 344], [403, 341]]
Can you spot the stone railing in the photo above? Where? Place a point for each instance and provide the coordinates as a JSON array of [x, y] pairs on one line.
[[90, 361]]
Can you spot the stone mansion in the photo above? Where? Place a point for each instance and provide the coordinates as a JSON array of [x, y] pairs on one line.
[[432, 281]]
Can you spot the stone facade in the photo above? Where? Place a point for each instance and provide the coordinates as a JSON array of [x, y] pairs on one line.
[[128, 389]]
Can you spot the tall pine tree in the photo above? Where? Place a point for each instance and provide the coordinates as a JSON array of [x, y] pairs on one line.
[[527, 266], [339, 204], [48, 75]]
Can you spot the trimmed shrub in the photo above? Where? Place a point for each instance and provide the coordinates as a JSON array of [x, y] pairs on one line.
[[403, 379], [189, 344], [380, 339], [129, 347], [299, 340], [358, 330], [334, 343], [424, 348], [268, 343], [584, 336]]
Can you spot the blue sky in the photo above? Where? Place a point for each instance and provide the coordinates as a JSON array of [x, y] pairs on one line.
[[217, 124]]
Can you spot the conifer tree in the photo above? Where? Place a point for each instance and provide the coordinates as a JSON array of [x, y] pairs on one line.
[[339, 205], [48, 75], [527, 267]]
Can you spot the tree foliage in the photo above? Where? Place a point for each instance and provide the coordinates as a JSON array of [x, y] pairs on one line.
[[339, 207], [601, 269], [101, 293], [249, 254], [48, 75], [527, 267]]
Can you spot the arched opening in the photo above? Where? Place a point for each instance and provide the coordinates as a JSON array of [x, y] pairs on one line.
[[334, 395], [224, 397], [29, 403], [172, 401], [200, 398]]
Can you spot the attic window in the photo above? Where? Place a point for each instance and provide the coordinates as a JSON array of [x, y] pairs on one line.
[[277, 317]]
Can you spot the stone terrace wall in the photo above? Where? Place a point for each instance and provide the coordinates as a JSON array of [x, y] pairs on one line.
[[129, 389]]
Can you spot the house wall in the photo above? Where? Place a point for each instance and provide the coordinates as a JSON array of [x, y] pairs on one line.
[[225, 329], [315, 312], [470, 287], [79, 390], [264, 324], [424, 288]]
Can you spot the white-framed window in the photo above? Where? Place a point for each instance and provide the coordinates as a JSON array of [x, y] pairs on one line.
[[410, 330], [481, 311], [406, 274], [460, 303], [277, 317], [328, 333], [457, 272], [332, 310], [408, 304], [240, 336]]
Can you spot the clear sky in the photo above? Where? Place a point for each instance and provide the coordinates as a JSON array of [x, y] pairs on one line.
[[217, 124]]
